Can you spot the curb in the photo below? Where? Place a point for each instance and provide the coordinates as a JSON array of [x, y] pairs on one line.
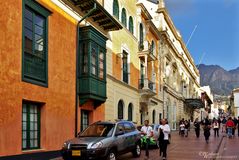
[[218, 148]]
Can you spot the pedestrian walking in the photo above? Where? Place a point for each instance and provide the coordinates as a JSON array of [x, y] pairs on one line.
[[206, 127], [224, 121], [235, 125], [229, 126], [197, 127], [147, 131], [219, 122], [187, 125], [238, 126], [216, 128], [165, 130], [180, 122], [181, 128]]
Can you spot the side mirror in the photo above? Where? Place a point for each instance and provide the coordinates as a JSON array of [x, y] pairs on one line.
[[119, 133]]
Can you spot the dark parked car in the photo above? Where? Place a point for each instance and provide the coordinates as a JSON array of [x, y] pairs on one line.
[[103, 140]]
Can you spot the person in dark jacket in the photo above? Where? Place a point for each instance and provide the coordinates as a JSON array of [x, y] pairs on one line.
[[206, 127], [238, 125], [235, 124], [197, 127], [187, 125]]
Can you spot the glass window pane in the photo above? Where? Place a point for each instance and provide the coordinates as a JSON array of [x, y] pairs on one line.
[[35, 143], [24, 144], [24, 108], [24, 134], [28, 14], [24, 117], [38, 30], [31, 117], [31, 126], [31, 109], [101, 75], [28, 45], [36, 134], [31, 143], [24, 126], [32, 135], [35, 127], [84, 62], [39, 20], [35, 108], [39, 39], [35, 117], [93, 70], [28, 24]]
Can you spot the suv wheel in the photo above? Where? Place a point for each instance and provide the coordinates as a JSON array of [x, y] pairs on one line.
[[111, 155], [137, 150]]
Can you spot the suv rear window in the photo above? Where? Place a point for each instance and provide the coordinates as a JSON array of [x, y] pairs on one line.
[[98, 130]]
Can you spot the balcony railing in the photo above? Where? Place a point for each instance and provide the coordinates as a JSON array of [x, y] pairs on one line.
[[146, 84], [146, 49]]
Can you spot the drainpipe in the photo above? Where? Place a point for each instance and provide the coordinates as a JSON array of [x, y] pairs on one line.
[[77, 67]]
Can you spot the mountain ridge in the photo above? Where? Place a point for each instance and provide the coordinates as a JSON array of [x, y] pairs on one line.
[[221, 81]]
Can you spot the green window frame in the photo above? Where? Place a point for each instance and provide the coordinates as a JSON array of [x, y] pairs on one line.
[[125, 67], [34, 43], [130, 112], [131, 25], [153, 51], [120, 109], [141, 37], [85, 116], [116, 9], [93, 63], [123, 17], [153, 116], [30, 126]]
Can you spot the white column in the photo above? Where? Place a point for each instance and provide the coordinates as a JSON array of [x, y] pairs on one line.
[[146, 72]]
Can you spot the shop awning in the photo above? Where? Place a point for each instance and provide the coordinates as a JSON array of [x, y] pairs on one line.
[[100, 15], [194, 103]]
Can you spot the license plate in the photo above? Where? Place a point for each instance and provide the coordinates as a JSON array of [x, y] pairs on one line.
[[76, 153]]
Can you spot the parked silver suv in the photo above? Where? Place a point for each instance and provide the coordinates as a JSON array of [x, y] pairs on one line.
[[103, 140]]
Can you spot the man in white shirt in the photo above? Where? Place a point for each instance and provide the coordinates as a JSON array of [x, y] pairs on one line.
[[147, 131], [165, 129]]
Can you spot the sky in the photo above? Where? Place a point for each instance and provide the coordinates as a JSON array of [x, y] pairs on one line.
[[214, 26]]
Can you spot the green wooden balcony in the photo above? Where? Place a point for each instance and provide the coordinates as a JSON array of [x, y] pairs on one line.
[[92, 65]]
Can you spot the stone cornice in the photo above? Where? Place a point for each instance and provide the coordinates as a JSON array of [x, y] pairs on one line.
[[173, 92], [145, 11], [174, 30], [165, 34]]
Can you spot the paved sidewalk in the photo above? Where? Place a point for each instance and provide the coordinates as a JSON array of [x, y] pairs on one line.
[[185, 148], [192, 148], [229, 149]]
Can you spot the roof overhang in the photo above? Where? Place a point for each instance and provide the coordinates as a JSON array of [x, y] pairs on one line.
[[194, 103], [99, 16]]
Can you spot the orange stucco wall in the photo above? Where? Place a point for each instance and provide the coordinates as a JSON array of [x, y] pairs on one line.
[[134, 76], [117, 66], [58, 111]]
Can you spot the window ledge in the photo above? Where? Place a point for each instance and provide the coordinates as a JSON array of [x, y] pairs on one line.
[[33, 150]]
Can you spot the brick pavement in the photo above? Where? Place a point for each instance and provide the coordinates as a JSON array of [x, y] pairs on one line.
[[192, 148], [185, 148], [229, 149]]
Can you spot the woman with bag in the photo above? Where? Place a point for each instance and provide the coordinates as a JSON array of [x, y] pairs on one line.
[[164, 131]]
